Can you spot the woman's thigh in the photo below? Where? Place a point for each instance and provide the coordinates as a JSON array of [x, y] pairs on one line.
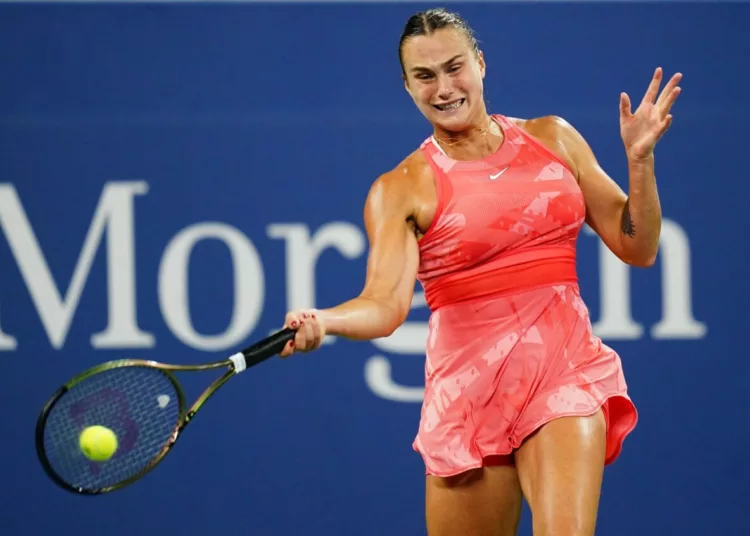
[[480, 502]]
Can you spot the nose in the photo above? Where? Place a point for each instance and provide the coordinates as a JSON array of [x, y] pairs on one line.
[[444, 88]]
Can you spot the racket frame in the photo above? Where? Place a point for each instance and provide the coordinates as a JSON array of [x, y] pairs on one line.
[[235, 364]]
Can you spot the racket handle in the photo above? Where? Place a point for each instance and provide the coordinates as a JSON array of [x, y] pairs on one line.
[[268, 347]]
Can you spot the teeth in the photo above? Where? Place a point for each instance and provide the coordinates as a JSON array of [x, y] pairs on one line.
[[452, 106]]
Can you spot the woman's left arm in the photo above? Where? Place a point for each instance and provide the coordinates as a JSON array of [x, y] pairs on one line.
[[629, 224]]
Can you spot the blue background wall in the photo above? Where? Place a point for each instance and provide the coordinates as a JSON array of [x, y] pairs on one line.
[[270, 122]]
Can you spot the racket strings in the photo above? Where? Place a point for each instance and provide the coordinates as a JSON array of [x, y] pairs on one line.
[[139, 404]]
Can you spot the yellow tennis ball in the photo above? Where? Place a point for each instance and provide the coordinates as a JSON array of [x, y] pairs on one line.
[[98, 443]]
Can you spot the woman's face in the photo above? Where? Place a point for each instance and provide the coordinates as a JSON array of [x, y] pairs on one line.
[[444, 76]]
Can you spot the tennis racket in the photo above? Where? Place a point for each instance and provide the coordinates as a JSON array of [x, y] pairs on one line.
[[142, 402]]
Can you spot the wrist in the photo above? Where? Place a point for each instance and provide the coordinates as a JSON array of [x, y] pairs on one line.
[[640, 160], [327, 318], [336, 321]]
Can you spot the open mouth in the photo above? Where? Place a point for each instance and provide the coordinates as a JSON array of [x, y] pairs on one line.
[[449, 107]]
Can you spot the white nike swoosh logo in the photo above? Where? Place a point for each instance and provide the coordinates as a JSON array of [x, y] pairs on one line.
[[495, 176]]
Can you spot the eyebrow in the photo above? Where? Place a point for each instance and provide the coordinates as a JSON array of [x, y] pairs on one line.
[[454, 58]]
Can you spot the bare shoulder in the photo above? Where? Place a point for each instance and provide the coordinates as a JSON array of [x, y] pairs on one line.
[[396, 191], [547, 126], [556, 134], [404, 181], [406, 174]]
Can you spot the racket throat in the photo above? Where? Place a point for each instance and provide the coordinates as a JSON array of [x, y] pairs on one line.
[[238, 360]]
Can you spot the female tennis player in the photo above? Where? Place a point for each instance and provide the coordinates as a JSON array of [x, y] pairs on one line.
[[521, 398]]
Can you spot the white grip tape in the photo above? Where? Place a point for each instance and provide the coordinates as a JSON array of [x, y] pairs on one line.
[[239, 362]]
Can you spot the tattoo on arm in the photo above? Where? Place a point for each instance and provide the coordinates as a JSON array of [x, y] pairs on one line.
[[626, 224]]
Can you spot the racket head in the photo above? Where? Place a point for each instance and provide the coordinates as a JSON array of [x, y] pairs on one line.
[[140, 401]]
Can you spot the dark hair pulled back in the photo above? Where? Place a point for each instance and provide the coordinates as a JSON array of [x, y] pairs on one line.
[[428, 22]]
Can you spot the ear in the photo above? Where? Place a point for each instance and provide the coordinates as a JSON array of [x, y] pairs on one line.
[[406, 84], [482, 65]]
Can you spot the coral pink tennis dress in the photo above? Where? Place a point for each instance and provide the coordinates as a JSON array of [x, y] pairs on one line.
[[510, 343]]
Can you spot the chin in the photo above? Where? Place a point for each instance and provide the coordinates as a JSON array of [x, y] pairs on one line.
[[452, 124], [454, 121]]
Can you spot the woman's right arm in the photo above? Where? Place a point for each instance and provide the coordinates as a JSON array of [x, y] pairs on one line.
[[392, 263]]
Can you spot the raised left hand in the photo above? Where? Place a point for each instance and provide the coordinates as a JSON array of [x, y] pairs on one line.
[[641, 130]]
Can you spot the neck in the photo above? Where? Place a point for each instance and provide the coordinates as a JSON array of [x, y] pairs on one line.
[[481, 139]]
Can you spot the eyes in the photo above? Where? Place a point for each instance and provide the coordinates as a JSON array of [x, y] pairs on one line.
[[452, 70]]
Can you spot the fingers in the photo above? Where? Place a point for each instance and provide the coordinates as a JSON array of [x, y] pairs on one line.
[[653, 87], [625, 110], [669, 95], [288, 349], [310, 332], [313, 331], [666, 124]]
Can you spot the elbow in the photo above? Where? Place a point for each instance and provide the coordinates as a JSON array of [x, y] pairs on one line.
[[639, 253], [648, 262], [643, 263], [397, 316], [388, 313], [386, 329], [643, 259], [648, 256]]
